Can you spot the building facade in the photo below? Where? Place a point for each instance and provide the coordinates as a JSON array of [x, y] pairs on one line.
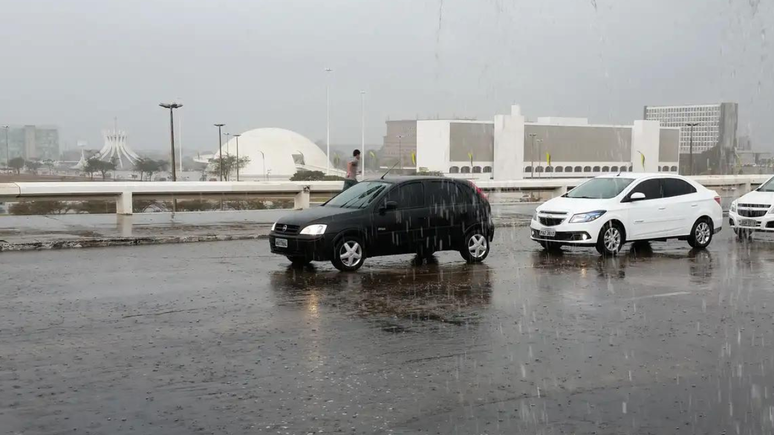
[[509, 148], [400, 143], [31, 142]]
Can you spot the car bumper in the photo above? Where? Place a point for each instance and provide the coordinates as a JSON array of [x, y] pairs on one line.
[[763, 223], [316, 248], [581, 234]]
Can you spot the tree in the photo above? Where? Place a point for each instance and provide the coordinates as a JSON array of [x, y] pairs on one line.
[[16, 163], [150, 167], [314, 176], [92, 165], [105, 167], [50, 165], [229, 164], [33, 165]]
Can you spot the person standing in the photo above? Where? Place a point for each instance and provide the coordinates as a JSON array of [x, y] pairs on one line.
[[353, 166]]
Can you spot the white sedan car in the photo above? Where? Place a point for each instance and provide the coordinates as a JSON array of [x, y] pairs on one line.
[[754, 211], [608, 211]]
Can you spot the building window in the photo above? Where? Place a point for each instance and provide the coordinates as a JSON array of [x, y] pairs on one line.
[[528, 170], [568, 169], [596, 169], [454, 170], [631, 168], [465, 170], [665, 169], [605, 168], [614, 169], [587, 169], [674, 169], [578, 169], [549, 169], [560, 169], [539, 169], [623, 168], [487, 169], [476, 169]]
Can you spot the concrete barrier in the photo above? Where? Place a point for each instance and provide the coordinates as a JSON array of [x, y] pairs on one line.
[[124, 192]]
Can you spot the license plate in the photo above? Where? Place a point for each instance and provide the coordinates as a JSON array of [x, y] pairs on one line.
[[748, 223], [547, 233], [281, 243]]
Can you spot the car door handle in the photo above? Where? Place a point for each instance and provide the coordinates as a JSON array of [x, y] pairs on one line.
[[662, 208], [694, 205]]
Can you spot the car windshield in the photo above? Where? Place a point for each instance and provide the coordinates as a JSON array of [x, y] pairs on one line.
[[359, 195], [767, 186], [600, 188]]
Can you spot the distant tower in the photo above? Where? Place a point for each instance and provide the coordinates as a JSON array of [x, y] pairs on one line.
[[116, 148]]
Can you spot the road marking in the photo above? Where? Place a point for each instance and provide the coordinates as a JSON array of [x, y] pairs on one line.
[[662, 295]]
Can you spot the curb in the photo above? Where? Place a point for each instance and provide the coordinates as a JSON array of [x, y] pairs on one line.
[[102, 242]]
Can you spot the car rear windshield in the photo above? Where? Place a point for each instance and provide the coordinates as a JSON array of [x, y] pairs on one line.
[[359, 195], [767, 186], [600, 188]]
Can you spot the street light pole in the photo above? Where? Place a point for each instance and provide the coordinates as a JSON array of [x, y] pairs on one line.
[[532, 168], [237, 152], [263, 159], [328, 71], [7, 147], [362, 131], [172, 107], [400, 152], [690, 146], [539, 155], [220, 149]]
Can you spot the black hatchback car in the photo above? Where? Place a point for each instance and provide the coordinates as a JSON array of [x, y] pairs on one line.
[[403, 215]]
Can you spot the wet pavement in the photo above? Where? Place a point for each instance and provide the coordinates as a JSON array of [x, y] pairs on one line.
[[224, 338]]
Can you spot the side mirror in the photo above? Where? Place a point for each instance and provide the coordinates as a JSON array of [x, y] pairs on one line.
[[637, 196], [389, 205]]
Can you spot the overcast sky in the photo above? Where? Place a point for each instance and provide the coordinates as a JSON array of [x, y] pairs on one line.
[[259, 63]]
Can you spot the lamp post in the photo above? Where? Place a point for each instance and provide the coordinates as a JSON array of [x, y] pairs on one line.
[[691, 125], [539, 154], [220, 149], [237, 154], [532, 167], [263, 159], [172, 107], [362, 131], [328, 71], [7, 146], [400, 152]]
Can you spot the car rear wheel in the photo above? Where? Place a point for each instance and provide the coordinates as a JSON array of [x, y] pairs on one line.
[[476, 247], [299, 261], [349, 254], [611, 239], [701, 234]]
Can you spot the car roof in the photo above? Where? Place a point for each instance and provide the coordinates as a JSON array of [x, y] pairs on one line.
[[640, 175], [401, 178]]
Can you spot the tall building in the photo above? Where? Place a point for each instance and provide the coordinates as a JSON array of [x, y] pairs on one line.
[[717, 125], [31, 142], [400, 142]]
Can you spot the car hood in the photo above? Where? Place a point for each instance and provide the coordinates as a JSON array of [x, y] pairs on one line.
[[314, 214], [757, 198], [574, 205]]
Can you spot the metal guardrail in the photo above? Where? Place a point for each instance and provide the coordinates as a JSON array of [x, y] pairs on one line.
[[300, 191]]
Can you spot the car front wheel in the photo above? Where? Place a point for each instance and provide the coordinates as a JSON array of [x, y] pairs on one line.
[[701, 234], [348, 254], [611, 239], [476, 247]]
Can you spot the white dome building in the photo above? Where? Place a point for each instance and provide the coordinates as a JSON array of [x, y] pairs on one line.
[[276, 154]]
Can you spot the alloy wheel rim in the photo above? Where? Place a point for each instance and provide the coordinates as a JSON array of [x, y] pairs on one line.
[[702, 233], [351, 253], [612, 239], [477, 245]]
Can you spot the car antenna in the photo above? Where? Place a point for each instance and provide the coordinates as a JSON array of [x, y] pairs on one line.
[[388, 171], [619, 171]]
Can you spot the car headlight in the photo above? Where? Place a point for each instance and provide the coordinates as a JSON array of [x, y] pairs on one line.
[[534, 217], [274, 225], [314, 230], [733, 206], [586, 217]]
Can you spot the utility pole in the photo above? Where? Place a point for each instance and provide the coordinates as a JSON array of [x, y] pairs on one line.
[[362, 132], [532, 167], [171, 107], [400, 152], [7, 146], [220, 149], [690, 145], [237, 152], [328, 71]]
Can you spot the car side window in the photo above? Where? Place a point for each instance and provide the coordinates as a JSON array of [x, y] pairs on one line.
[[441, 193], [652, 189], [677, 187], [410, 195]]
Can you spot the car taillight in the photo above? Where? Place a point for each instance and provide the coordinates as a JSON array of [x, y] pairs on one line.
[[717, 199], [478, 190]]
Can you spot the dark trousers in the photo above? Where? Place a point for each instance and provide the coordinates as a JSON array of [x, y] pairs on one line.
[[348, 183]]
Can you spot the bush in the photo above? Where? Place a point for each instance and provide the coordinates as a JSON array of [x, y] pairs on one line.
[[94, 207], [314, 176], [431, 173], [39, 208]]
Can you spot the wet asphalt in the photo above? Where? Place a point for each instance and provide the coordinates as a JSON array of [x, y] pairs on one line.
[[225, 338]]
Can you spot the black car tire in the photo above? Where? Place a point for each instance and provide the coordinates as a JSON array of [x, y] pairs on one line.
[[475, 247], [349, 253], [701, 234], [611, 239], [299, 261]]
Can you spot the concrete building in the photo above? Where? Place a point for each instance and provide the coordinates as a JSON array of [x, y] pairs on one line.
[[511, 148], [716, 127], [400, 142], [31, 142]]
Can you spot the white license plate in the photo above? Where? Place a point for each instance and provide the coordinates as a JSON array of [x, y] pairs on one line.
[[281, 243], [748, 223], [547, 233]]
